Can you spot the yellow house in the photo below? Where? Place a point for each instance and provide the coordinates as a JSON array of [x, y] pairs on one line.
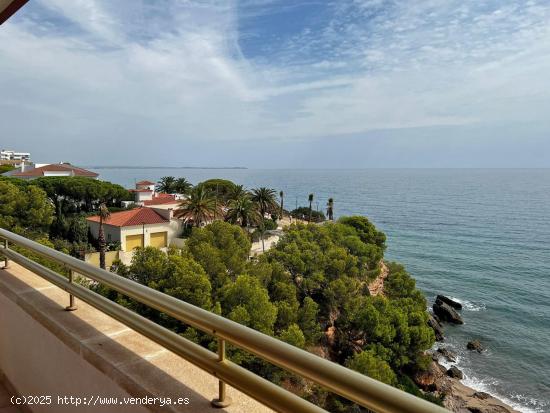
[[138, 227]]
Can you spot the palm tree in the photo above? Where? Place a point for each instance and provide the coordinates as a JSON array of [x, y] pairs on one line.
[[237, 192], [182, 186], [198, 208], [282, 196], [166, 184], [264, 198], [242, 211], [104, 214], [330, 209], [310, 199]]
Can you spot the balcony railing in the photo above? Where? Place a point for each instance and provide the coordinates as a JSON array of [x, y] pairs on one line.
[[351, 385]]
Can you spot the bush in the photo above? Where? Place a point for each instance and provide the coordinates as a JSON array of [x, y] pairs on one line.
[[303, 213], [6, 168], [370, 365]]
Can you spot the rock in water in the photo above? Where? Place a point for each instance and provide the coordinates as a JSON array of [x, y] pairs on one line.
[[455, 373], [447, 300], [475, 345], [446, 313], [448, 354], [437, 328]]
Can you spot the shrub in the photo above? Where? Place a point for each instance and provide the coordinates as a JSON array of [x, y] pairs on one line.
[[303, 213]]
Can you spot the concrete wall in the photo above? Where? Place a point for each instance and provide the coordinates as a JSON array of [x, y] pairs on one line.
[[36, 362]]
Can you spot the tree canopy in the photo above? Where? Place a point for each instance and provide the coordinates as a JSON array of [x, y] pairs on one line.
[[309, 290], [220, 188], [24, 209], [79, 193]]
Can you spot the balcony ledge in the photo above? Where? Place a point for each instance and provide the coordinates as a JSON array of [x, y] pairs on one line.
[[45, 350]]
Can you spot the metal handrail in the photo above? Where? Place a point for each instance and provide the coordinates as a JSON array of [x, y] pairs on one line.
[[354, 386]]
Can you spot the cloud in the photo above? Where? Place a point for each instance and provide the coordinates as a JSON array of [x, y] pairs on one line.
[[170, 74]]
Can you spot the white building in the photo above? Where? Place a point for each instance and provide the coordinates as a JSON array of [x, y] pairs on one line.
[[145, 195], [139, 227], [7, 155], [146, 185]]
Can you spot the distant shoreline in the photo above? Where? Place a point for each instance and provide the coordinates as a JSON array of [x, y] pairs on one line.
[[164, 167]]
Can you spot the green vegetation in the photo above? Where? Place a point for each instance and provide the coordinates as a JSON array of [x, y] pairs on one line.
[[104, 215], [281, 204], [310, 200], [304, 214], [330, 209], [310, 290], [24, 209], [166, 184], [182, 186], [242, 211], [198, 208], [6, 168], [264, 198], [221, 189], [171, 185], [68, 201]]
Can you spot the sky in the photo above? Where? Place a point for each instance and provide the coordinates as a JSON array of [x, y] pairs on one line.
[[278, 84]]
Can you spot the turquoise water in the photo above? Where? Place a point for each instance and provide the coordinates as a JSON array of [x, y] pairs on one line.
[[481, 236]]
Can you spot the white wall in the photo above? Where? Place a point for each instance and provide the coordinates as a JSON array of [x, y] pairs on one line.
[[112, 233], [151, 187], [143, 196], [57, 173]]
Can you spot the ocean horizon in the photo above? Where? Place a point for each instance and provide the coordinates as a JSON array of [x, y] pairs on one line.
[[481, 236]]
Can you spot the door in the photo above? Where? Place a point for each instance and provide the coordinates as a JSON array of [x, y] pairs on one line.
[[159, 239], [134, 241]]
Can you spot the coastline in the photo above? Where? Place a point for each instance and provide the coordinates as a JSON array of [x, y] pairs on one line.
[[444, 378], [459, 398]]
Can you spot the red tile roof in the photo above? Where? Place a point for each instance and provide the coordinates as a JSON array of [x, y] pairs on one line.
[[145, 183], [161, 199], [137, 216], [57, 167]]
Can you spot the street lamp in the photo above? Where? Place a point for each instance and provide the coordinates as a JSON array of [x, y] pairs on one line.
[[143, 234]]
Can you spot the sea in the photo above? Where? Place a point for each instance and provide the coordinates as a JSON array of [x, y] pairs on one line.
[[481, 236]]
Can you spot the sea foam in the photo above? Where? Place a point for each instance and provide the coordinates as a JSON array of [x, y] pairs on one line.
[[469, 305]]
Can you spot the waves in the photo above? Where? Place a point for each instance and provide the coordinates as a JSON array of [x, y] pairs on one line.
[[467, 361], [520, 402], [469, 305]]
